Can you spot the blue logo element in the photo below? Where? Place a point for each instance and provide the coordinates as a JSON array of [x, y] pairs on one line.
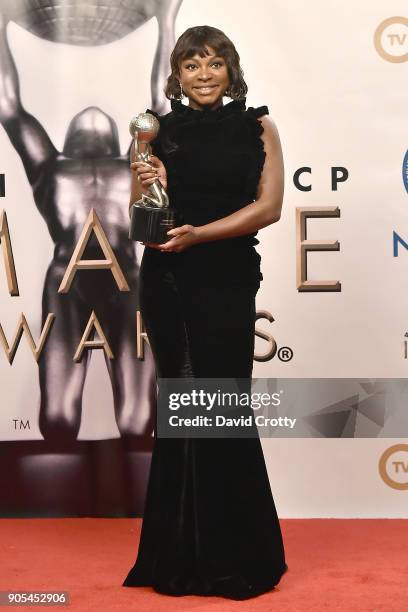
[[405, 171], [396, 240]]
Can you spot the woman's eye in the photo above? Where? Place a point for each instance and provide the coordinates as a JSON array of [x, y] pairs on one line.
[[188, 66]]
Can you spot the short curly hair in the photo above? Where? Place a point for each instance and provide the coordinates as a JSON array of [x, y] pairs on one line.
[[195, 41]]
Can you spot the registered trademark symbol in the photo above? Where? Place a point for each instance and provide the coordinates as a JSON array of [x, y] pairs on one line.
[[285, 353]]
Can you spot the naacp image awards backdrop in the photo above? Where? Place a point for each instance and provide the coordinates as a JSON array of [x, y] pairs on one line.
[[77, 377]]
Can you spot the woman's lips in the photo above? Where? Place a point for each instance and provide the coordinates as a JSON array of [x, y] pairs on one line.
[[205, 90]]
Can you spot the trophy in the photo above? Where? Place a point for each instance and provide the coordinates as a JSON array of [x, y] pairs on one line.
[[151, 216]]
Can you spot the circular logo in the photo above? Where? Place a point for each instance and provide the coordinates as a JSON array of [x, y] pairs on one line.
[[391, 39], [393, 466], [405, 171]]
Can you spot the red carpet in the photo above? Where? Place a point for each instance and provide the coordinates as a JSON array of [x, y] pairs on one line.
[[334, 564]]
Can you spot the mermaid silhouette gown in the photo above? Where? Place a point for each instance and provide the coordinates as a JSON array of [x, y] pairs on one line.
[[210, 525]]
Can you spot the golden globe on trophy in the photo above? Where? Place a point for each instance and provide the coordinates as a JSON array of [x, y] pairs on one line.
[[151, 216]]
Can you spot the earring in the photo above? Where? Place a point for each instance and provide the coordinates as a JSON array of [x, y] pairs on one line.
[[181, 95]]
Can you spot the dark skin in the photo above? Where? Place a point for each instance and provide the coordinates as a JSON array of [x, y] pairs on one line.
[[204, 82]]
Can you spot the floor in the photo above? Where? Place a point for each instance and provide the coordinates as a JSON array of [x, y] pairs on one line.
[[334, 564]]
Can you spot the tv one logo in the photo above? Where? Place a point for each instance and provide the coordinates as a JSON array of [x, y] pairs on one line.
[[405, 171], [393, 466], [391, 39]]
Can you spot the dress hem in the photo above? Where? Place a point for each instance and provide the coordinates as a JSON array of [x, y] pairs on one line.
[[213, 591]]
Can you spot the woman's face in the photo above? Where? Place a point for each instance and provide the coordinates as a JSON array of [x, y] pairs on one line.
[[204, 79]]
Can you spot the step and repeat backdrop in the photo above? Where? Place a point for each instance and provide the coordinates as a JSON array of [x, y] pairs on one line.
[[332, 311]]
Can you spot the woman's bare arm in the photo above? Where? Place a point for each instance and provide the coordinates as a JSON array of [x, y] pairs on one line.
[[267, 207]]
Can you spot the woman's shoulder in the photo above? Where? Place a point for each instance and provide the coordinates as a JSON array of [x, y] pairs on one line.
[[258, 111], [257, 118], [155, 114]]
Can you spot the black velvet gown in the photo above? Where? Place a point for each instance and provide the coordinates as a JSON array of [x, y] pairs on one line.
[[210, 525]]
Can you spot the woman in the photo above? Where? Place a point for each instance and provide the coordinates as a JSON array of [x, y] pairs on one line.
[[210, 525]]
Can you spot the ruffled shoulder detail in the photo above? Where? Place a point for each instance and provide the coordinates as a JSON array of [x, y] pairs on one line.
[[259, 155], [152, 112], [260, 111]]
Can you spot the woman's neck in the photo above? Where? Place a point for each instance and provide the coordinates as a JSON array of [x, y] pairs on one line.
[[201, 107]]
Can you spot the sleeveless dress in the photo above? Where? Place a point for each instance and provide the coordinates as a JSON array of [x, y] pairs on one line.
[[210, 525]]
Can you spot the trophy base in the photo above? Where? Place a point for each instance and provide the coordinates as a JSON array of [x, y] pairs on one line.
[[151, 224]]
